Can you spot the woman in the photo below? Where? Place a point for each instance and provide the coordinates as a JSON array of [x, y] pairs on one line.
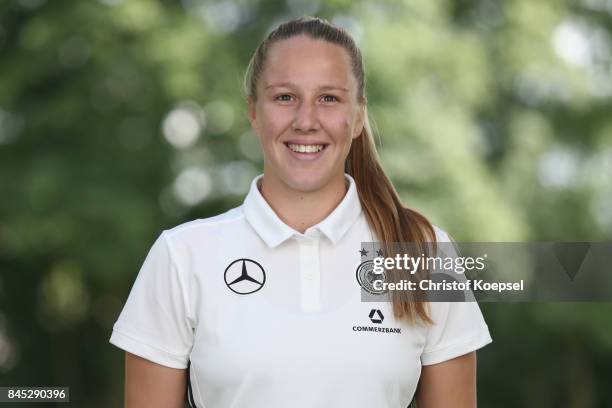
[[259, 306]]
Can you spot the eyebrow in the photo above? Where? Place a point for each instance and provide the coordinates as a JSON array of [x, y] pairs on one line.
[[292, 85]]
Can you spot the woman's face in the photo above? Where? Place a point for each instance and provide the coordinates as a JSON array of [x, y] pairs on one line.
[[307, 113]]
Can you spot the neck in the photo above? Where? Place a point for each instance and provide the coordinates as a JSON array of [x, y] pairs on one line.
[[301, 210]]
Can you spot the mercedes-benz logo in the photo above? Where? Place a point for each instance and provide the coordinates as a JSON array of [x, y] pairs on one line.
[[244, 276]]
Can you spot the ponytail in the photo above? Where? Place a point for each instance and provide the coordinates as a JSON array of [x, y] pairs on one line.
[[390, 220]]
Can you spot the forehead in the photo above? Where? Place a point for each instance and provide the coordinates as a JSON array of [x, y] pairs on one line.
[[302, 59]]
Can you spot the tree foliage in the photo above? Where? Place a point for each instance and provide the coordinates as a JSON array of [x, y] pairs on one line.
[[122, 118]]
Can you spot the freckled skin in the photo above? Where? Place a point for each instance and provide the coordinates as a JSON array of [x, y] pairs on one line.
[[304, 109]]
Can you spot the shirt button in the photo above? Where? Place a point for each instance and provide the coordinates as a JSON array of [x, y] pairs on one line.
[[313, 234]]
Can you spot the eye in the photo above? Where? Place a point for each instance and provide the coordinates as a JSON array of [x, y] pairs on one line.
[[330, 98], [283, 98]]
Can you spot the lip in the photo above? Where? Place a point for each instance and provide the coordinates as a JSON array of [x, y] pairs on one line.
[[305, 156]]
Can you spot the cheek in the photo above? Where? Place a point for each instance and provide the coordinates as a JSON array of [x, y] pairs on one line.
[[273, 122], [339, 123], [345, 127]]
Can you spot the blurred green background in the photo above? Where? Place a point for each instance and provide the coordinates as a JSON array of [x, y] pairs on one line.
[[119, 119]]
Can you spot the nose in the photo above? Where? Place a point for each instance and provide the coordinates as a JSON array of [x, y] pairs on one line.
[[305, 119]]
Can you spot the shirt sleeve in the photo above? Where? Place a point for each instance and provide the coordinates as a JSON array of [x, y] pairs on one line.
[[155, 322], [459, 328]]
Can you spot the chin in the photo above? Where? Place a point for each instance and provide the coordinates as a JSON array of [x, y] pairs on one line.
[[306, 182]]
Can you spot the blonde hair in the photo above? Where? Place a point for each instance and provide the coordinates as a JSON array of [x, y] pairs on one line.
[[388, 218]]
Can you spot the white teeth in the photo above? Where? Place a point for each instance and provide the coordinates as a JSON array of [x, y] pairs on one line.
[[305, 148]]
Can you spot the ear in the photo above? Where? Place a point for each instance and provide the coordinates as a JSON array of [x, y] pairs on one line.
[[252, 112], [362, 113]]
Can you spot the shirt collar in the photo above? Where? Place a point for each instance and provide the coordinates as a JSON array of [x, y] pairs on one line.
[[274, 231]]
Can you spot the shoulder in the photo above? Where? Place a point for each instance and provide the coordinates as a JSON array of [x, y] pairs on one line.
[[205, 225], [441, 235]]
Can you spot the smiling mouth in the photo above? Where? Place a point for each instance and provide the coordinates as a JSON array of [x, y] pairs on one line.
[[306, 148]]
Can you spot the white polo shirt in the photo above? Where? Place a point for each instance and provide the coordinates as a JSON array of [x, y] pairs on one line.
[[269, 317]]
